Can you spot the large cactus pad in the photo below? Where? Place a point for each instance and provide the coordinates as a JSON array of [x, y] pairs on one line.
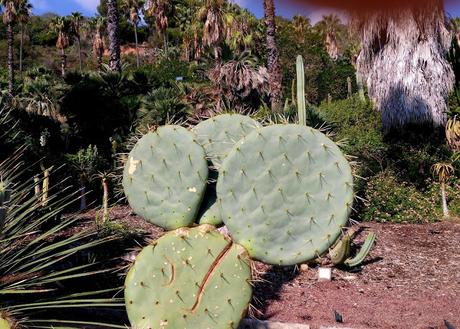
[[192, 278], [285, 193], [219, 134], [165, 177]]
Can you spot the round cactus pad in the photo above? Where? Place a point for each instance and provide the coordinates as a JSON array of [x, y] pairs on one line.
[[190, 278], [285, 193], [219, 134], [165, 177]]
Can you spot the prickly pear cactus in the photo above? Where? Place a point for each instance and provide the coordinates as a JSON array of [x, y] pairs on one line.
[[219, 134], [165, 177], [285, 193], [190, 278], [212, 216]]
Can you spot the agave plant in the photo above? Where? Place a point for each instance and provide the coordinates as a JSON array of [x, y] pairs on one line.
[[37, 249]]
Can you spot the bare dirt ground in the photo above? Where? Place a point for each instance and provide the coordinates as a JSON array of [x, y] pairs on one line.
[[411, 279]]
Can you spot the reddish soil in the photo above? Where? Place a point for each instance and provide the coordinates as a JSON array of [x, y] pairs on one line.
[[411, 279]]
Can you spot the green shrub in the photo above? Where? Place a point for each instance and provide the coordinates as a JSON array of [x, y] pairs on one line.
[[453, 196], [388, 199], [360, 127]]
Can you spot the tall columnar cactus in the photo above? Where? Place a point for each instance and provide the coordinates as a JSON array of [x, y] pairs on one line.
[[218, 135], [165, 177], [189, 278], [285, 193], [301, 104]]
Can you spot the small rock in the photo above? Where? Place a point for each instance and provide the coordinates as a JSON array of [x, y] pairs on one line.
[[304, 268]]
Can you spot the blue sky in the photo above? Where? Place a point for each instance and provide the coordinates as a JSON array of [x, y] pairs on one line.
[[88, 7]]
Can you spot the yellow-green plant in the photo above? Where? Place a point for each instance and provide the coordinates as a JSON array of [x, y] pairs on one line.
[[443, 171]]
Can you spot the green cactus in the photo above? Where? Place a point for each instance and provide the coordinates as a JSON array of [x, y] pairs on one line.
[[340, 253], [165, 177], [190, 278], [219, 134], [212, 216], [301, 105], [286, 192], [365, 249]]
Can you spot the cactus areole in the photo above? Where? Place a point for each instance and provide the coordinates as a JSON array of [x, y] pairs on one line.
[[191, 278], [285, 192]]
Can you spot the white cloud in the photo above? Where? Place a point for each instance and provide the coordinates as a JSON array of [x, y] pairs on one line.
[[89, 5]]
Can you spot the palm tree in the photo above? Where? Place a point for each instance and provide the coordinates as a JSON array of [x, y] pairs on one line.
[[24, 13], [99, 24], [443, 171], [241, 29], [76, 20], [328, 27], [132, 8], [453, 134], [61, 25], [10, 10], [455, 27], [113, 28], [403, 62], [159, 10], [272, 56], [300, 25], [211, 14]]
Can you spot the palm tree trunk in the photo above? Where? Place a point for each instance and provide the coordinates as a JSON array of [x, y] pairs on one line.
[[10, 41], [21, 47], [445, 209], [63, 62], [165, 41], [105, 200], [114, 36], [272, 56], [79, 53], [137, 46], [83, 204]]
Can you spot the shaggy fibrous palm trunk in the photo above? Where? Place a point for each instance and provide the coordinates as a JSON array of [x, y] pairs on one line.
[[21, 47], [63, 62], [10, 42], [332, 46], [403, 63], [80, 59], [136, 40], [98, 49], [114, 35], [272, 56]]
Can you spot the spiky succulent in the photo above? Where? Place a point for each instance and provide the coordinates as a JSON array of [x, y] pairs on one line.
[[36, 250]]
